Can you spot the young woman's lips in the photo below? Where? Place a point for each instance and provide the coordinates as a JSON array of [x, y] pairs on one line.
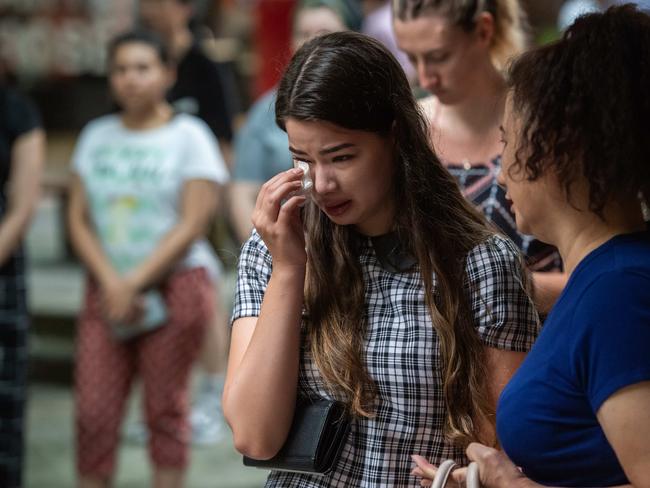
[[338, 209]]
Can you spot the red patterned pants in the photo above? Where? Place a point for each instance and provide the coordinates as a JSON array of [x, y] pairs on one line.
[[105, 369]]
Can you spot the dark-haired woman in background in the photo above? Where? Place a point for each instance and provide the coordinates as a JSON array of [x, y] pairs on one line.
[[22, 154], [576, 160], [144, 190], [391, 293]]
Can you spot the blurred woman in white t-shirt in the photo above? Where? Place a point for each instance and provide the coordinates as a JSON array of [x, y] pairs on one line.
[[145, 186]]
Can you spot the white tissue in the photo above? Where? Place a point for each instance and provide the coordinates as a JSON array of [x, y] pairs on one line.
[[307, 184]]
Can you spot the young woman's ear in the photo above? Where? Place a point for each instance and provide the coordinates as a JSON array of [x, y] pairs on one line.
[[485, 27]]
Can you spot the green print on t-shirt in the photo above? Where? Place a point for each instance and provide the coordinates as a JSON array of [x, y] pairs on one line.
[[128, 179], [128, 164]]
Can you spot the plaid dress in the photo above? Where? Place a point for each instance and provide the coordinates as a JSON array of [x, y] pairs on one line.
[[403, 358], [17, 117]]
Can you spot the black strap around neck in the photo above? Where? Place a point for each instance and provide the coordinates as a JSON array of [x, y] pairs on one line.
[[393, 255]]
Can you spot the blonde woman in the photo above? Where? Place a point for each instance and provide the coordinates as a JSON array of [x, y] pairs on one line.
[[459, 48]]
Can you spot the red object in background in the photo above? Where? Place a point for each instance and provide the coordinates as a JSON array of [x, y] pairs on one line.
[[272, 41]]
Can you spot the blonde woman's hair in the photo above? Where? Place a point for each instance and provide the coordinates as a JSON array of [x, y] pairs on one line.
[[510, 25]]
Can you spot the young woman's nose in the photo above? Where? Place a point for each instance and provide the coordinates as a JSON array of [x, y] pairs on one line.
[[129, 76], [323, 178]]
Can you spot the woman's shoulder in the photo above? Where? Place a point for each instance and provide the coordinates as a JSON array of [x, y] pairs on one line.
[[189, 122], [624, 257], [255, 248], [495, 262], [192, 129], [497, 250], [102, 123], [100, 129]]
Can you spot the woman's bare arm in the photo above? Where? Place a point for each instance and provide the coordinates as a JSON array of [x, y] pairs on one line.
[[27, 158]]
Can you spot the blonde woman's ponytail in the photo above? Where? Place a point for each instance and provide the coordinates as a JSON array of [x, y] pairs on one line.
[[510, 32]]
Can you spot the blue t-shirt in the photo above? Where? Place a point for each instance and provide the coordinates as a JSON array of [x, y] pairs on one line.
[[595, 342]]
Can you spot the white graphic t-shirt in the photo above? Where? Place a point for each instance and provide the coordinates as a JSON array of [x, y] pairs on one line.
[[133, 181]]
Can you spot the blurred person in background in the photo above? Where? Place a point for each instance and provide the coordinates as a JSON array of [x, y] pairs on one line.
[[22, 155], [206, 89], [261, 147], [459, 48], [144, 190], [271, 36], [378, 23], [203, 87]]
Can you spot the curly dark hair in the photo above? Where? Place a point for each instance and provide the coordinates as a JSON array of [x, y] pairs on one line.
[[584, 104]]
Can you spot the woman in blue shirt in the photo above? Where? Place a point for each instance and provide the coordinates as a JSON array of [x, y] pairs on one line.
[[576, 161]]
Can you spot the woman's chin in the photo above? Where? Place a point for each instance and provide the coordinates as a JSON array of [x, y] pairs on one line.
[[522, 226]]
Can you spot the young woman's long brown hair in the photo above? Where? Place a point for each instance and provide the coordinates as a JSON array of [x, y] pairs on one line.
[[358, 85]]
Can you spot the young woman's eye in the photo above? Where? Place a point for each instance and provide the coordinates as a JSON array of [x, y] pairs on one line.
[[342, 158], [300, 160]]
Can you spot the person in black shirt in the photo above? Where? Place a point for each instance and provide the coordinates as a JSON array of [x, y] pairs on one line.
[[22, 149], [203, 88]]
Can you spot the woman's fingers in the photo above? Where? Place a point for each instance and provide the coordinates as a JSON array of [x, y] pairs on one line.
[[271, 185], [268, 204], [459, 476], [291, 209], [476, 451], [495, 468], [417, 472], [427, 469], [424, 469], [277, 196]]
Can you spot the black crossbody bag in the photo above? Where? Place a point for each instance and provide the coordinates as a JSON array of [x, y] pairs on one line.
[[316, 438]]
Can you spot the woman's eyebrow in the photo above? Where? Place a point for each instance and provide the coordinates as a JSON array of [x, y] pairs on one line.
[[329, 150], [296, 151]]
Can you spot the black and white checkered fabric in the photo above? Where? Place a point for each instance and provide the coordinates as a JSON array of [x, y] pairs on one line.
[[402, 356], [18, 116], [13, 368]]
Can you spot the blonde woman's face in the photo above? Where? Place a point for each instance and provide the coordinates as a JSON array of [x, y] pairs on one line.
[[314, 22], [445, 57]]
